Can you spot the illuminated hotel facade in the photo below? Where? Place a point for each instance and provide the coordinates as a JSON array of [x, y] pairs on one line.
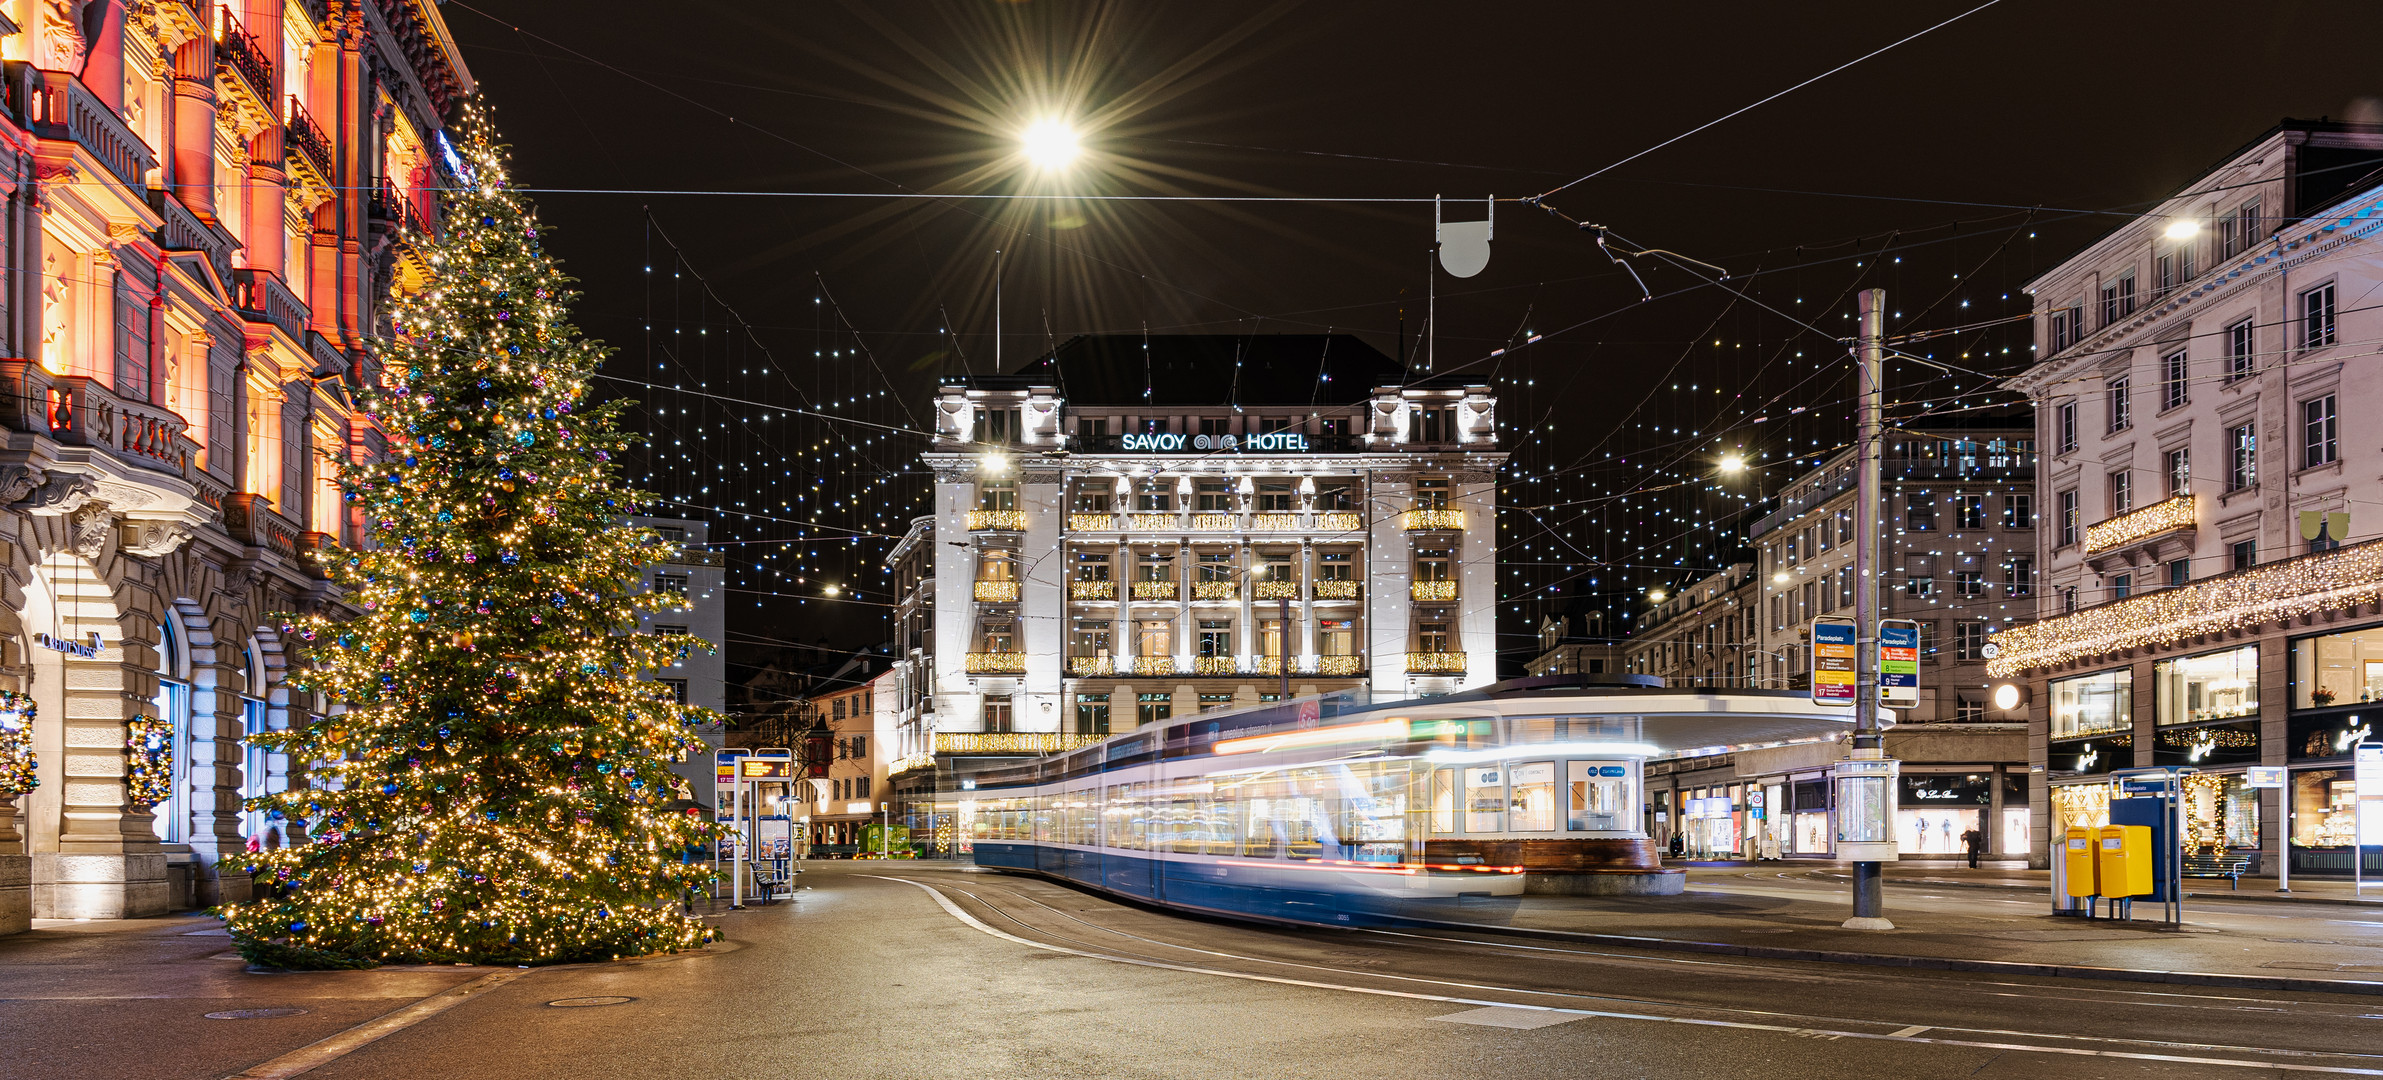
[[2211, 551], [1125, 533], [206, 205]]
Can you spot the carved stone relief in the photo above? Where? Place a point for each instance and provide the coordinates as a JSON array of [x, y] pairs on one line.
[[60, 495]]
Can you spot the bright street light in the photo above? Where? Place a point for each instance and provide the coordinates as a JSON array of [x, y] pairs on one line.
[[1656, 596], [1050, 145], [1733, 464], [2183, 229]]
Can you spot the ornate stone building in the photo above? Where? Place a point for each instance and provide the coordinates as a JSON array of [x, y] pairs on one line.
[[202, 208]]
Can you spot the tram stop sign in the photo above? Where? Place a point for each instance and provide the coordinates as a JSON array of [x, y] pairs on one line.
[[1833, 662], [1898, 663]]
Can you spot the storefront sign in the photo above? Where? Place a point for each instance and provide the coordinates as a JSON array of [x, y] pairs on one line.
[[1280, 442], [1833, 660], [71, 647], [2263, 776], [1898, 663], [2315, 738], [1947, 789]]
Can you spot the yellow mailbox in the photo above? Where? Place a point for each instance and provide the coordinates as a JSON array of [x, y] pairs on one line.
[[2078, 863], [2122, 859]]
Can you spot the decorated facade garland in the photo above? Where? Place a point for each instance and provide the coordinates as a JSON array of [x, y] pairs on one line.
[[149, 774], [16, 744]]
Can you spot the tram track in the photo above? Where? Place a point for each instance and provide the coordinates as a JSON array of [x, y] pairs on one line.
[[1010, 904]]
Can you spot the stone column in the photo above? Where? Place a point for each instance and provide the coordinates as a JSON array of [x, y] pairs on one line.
[[217, 768], [193, 169], [1307, 603], [104, 862], [16, 872], [1993, 829]]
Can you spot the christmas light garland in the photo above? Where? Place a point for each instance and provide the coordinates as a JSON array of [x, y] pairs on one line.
[[17, 763], [149, 761]]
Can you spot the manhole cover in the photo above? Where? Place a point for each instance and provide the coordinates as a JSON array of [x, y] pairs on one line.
[[253, 1014], [589, 1002]]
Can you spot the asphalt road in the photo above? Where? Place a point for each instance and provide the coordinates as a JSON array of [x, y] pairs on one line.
[[933, 970]]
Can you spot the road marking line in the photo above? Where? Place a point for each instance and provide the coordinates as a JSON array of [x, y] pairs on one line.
[[356, 1038], [1907, 1032], [1502, 1017], [1741, 1025]]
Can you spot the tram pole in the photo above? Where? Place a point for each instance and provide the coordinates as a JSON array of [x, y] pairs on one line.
[[1869, 899]]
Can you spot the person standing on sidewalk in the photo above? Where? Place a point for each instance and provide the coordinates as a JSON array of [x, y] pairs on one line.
[[1973, 841]]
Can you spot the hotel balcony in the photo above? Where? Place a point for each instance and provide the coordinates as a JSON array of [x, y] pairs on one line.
[[243, 78], [1435, 663], [307, 148], [1092, 590], [1277, 590], [1339, 521], [1215, 665], [1215, 522], [1089, 666], [996, 663], [1011, 742], [1216, 590], [1094, 523], [1333, 589], [2328, 581], [1154, 590], [1433, 591], [1274, 523], [1340, 665], [2140, 526], [1268, 665], [1155, 665], [997, 592], [56, 105], [1156, 520], [1432, 520], [999, 520]]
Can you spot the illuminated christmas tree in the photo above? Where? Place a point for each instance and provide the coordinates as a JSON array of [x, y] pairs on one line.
[[494, 783]]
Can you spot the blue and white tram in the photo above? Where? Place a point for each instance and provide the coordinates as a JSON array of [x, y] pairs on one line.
[[1326, 810]]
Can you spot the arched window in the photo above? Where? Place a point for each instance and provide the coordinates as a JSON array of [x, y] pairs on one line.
[[252, 721], [173, 706]]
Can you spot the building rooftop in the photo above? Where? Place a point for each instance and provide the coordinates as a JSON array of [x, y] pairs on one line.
[[1208, 370]]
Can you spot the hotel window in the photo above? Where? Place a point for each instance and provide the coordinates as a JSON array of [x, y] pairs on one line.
[[1154, 566], [2180, 572], [2064, 424], [1337, 637], [2122, 586], [2242, 359], [1089, 638], [1156, 638], [1210, 702], [997, 566], [1216, 425], [2178, 465], [2018, 511], [1432, 637], [2317, 432], [1275, 497], [1155, 496], [997, 713], [1431, 493], [1215, 497], [132, 340], [2018, 576], [1919, 511], [2175, 389], [997, 495], [1217, 566], [2122, 403], [1969, 640], [1431, 564], [1092, 427], [997, 425], [2068, 517], [2337, 669], [1969, 582], [1092, 499], [2242, 456], [1153, 709], [1092, 714], [1001, 636], [2118, 297], [2211, 686], [1152, 425], [2243, 554], [1969, 511], [1332, 426], [2122, 491], [2317, 326], [1432, 426], [1332, 496], [2176, 268], [1336, 566], [1270, 637], [1277, 566], [2239, 231], [1274, 424], [2067, 325], [1216, 638], [2093, 704], [1092, 566]]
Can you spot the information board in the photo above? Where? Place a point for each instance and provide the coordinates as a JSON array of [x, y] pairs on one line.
[[2367, 772], [1898, 663], [1834, 658]]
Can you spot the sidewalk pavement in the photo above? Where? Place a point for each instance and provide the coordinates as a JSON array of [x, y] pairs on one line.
[[2016, 876], [1794, 912]]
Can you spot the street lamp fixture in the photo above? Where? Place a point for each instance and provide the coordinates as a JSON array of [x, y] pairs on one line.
[[2183, 229], [1656, 596], [1732, 465], [1049, 144]]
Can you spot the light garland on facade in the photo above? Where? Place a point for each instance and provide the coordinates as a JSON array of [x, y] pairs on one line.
[[1216, 590], [18, 774], [2327, 581], [149, 761], [1335, 589], [996, 663], [997, 592], [1414, 520], [1092, 590], [2161, 517], [998, 520], [1435, 663], [1011, 742], [1433, 590]]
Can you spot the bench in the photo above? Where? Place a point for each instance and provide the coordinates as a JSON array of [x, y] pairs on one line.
[[2210, 864]]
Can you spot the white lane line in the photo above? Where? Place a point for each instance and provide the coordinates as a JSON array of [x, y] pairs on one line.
[[1516, 1019], [972, 921], [1908, 1032], [356, 1038]]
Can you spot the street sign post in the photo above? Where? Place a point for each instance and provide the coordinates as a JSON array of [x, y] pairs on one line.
[[2273, 776], [2367, 828], [1834, 674], [1898, 663]]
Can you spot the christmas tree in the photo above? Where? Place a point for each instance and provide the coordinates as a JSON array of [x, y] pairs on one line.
[[493, 783]]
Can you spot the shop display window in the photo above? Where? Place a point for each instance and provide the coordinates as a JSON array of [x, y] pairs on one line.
[[2324, 808], [2338, 669], [2220, 812], [2093, 704], [2079, 806], [2013, 838], [2327, 735], [2208, 745], [2211, 686]]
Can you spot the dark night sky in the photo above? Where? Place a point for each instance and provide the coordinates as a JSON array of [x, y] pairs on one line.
[[1933, 153]]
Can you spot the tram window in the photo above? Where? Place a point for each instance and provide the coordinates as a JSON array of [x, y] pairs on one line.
[[1443, 801], [1534, 796], [1485, 800], [1600, 796]]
